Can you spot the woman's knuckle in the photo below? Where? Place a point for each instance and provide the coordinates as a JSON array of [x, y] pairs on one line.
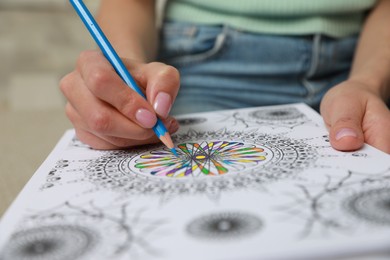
[[65, 84], [98, 79], [99, 122]]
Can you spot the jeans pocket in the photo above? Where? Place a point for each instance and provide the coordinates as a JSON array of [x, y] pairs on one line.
[[186, 44]]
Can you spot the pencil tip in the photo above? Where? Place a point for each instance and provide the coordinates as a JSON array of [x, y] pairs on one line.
[[166, 139], [173, 150]]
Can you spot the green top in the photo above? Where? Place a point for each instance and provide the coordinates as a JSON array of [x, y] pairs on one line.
[[336, 18]]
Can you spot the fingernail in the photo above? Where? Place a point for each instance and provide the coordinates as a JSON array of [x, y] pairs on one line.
[[145, 118], [345, 132], [174, 126], [162, 104]]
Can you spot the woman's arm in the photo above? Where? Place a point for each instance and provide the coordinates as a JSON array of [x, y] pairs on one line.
[[372, 59], [130, 25], [355, 111]]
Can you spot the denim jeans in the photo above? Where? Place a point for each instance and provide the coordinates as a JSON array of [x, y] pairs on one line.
[[225, 68]]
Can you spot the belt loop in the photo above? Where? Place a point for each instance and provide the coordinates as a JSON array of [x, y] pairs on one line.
[[192, 31], [315, 55]]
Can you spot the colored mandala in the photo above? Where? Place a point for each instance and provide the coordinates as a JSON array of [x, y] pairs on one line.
[[208, 163], [202, 159]]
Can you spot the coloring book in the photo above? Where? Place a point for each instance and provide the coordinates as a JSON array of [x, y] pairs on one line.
[[253, 183]]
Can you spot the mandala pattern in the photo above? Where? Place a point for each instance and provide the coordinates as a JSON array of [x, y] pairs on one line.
[[289, 117], [346, 203], [202, 159], [372, 205], [191, 121], [70, 231], [205, 166], [225, 225], [281, 114], [59, 242]]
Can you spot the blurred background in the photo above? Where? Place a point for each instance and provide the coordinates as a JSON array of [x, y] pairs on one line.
[[39, 43]]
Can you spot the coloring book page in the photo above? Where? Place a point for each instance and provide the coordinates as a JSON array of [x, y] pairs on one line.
[[254, 183]]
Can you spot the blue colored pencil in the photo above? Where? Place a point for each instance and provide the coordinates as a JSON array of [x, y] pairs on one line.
[[117, 63]]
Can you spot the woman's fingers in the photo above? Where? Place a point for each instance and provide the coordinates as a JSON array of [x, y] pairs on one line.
[[108, 143], [355, 115], [101, 141], [345, 125], [108, 114], [97, 116], [97, 140], [124, 137], [162, 85], [105, 84]]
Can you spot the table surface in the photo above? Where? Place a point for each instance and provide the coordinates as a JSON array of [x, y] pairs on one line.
[[31, 106], [27, 138]]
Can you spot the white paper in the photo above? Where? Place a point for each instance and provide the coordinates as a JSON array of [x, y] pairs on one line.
[[256, 183]]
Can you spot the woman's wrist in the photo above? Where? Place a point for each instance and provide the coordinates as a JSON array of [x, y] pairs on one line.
[[371, 84], [130, 27]]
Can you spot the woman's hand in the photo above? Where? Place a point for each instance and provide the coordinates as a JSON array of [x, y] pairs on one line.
[[354, 114], [108, 114]]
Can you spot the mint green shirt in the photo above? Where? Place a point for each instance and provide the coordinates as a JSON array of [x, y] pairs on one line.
[[336, 18]]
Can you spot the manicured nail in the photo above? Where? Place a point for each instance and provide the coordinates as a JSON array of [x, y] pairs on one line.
[[162, 104], [145, 118], [345, 132], [174, 126]]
